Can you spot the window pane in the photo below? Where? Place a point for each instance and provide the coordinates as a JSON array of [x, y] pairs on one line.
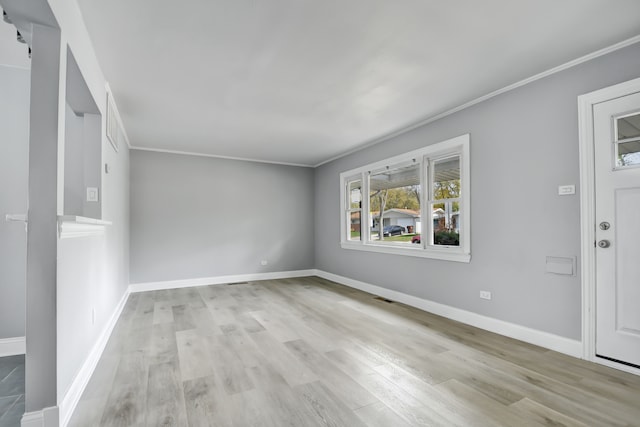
[[394, 201], [446, 224], [628, 153], [355, 194], [355, 228], [628, 127], [446, 180]]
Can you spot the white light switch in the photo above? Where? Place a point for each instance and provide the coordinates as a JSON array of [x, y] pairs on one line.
[[566, 190], [92, 194]]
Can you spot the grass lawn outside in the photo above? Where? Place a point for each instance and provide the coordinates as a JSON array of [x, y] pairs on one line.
[[400, 238], [355, 235]]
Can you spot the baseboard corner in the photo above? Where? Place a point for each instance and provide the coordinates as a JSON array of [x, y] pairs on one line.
[[47, 417]]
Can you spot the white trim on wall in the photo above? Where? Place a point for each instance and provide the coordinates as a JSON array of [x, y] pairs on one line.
[[204, 281], [12, 346], [215, 156], [532, 336], [539, 76], [72, 396], [111, 102], [587, 214]]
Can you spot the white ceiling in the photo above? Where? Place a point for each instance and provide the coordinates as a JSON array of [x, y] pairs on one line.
[[300, 81]]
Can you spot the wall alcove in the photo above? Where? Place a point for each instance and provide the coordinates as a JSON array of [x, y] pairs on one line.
[[82, 208]]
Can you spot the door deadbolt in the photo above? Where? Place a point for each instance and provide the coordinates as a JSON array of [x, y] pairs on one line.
[[604, 244], [604, 225]]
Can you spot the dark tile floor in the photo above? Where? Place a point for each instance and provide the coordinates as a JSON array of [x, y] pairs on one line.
[[11, 390]]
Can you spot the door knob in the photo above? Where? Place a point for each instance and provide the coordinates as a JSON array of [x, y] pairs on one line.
[[604, 244], [604, 225]]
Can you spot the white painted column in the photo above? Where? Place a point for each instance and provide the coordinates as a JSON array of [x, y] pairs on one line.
[[42, 229]]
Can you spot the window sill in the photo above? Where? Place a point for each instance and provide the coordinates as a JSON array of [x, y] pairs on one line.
[[445, 255], [78, 226]]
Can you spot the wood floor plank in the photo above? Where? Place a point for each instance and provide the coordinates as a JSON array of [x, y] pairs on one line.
[[206, 403], [284, 405], [126, 405], [293, 371], [162, 312], [402, 403], [183, 317], [380, 415], [325, 407], [455, 412], [483, 406], [163, 346], [228, 367], [194, 355], [276, 328], [352, 394], [528, 409], [165, 398]]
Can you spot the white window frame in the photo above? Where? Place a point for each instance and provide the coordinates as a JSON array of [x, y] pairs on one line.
[[458, 146]]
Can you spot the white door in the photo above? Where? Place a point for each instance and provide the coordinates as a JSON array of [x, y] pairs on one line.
[[617, 174]]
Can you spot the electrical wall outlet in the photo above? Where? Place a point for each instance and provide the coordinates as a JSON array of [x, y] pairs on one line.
[[566, 190], [485, 294], [92, 194]]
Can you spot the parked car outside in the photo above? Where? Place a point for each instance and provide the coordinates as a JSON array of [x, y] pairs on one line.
[[415, 239], [393, 230]]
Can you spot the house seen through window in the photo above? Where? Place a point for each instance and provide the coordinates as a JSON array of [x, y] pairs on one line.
[[417, 201]]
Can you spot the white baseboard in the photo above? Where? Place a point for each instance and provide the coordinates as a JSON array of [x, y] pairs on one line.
[[48, 417], [512, 330], [218, 280], [79, 383], [12, 346]]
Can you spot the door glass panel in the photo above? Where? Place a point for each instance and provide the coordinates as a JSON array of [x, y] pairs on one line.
[[628, 127], [628, 153]]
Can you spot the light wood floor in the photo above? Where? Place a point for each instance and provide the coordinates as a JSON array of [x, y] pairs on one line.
[[308, 352]]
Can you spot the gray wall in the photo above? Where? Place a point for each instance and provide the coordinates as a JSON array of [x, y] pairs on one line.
[[195, 217], [82, 153], [74, 195], [93, 272], [14, 161], [524, 144]]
